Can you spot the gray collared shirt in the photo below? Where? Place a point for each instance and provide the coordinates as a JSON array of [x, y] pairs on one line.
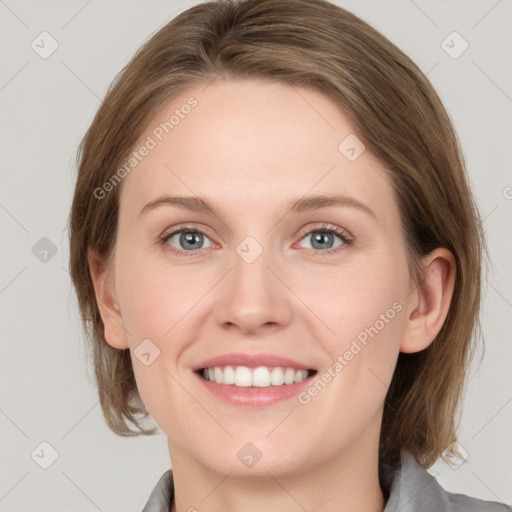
[[413, 489]]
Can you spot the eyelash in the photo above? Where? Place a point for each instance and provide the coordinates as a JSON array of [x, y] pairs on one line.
[[341, 233]]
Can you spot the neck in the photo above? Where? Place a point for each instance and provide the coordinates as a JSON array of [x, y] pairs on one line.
[[346, 482]]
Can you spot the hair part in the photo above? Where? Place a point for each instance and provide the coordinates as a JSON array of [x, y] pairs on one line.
[[396, 113]]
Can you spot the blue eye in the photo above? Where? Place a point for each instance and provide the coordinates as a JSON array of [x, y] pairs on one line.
[[188, 240], [320, 237], [191, 241]]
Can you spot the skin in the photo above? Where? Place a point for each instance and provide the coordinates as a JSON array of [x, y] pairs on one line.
[[270, 143]]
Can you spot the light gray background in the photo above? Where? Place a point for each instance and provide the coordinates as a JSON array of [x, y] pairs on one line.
[[46, 106]]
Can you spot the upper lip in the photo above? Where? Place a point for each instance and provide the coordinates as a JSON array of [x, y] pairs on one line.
[[251, 361]]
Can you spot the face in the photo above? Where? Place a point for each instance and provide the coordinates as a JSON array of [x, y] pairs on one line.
[[272, 283]]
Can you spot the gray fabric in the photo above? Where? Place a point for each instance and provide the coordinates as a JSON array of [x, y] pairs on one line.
[[413, 489], [162, 496]]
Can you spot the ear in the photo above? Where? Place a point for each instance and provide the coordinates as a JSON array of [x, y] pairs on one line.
[[114, 332], [429, 301]]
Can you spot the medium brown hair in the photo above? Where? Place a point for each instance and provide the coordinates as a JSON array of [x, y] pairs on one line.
[[398, 116]]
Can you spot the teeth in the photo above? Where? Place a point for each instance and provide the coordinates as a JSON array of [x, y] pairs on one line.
[[243, 377], [276, 377], [261, 377], [217, 374], [289, 376], [228, 375]]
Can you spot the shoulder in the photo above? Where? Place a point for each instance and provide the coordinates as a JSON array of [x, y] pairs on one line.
[[162, 495], [413, 489]]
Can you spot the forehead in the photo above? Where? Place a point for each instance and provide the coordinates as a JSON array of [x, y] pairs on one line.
[[251, 139]]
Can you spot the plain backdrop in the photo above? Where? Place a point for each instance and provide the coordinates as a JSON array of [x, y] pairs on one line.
[[46, 388]]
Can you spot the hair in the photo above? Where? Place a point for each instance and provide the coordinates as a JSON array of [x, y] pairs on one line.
[[403, 124]]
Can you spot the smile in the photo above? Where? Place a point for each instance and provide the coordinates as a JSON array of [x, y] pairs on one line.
[[259, 377]]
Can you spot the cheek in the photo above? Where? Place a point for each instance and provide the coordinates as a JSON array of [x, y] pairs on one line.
[[363, 302], [156, 307], [160, 302], [364, 309], [156, 298]]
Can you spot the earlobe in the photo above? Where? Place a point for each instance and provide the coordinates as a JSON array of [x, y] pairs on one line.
[[429, 301], [114, 331]]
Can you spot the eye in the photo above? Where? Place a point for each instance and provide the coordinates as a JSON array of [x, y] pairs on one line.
[[323, 240], [188, 240]]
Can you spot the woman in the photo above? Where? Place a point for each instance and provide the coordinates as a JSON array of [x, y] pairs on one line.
[[278, 257]]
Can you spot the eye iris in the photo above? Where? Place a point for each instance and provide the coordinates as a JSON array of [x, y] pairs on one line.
[[320, 238], [193, 240], [190, 238]]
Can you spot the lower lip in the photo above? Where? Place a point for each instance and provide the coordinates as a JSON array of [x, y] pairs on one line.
[[254, 396]]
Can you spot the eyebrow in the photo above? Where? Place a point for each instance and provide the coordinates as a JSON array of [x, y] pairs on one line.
[[310, 203]]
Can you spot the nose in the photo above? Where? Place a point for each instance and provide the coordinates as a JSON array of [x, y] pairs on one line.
[[253, 298]]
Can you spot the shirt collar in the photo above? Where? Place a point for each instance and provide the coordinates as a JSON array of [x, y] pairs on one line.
[[412, 489]]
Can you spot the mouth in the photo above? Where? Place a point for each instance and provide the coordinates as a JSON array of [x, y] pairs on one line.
[[253, 380], [259, 377]]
